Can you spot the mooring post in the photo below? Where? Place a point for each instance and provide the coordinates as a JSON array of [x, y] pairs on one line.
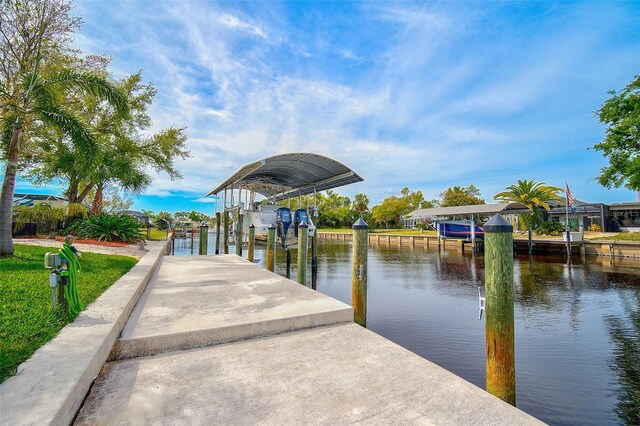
[[217, 233], [499, 296], [192, 235], [252, 243], [287, 273], [204, 239], [314, 252], [225, 238], [359, 272], [239, 235], [271, 248], [303, 248]]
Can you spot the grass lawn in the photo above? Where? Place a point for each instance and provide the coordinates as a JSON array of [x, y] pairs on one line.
[[27, 320], [381, 231], [626, 236], [157, 235]]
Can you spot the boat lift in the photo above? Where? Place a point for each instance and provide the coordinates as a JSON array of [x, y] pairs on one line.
[[277, 178]]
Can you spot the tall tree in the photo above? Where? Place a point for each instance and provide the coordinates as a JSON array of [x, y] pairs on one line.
[[460, 196], [391, 210], [531, 194], [33, 36], [360, 204], [415, 199], [124, 154], [621, 145]]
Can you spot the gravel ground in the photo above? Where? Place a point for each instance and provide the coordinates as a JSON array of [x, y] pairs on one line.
[[131, 250]]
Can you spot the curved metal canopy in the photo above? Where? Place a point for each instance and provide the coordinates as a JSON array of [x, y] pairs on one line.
[[291, 174], [479, 209]]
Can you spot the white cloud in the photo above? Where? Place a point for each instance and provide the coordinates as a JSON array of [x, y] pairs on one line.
[[426, 109]]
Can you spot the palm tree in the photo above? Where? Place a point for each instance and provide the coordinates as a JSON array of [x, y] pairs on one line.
[[361, 203], [41, 100], [531, 194], [118, 168]]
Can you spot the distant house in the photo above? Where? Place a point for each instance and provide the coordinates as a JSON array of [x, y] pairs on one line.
[[142, 218], [30, 200], [615, 217]]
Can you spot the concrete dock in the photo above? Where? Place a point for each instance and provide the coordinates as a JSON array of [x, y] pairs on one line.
[[218, 340]]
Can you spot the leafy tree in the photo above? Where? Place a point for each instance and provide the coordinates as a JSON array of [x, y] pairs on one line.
[[360, 204], [33, 94], [460, 196], [195, 216], [621, 145], [415, 199], [162, 218], [531, 194], [124, 153], [391, 210]]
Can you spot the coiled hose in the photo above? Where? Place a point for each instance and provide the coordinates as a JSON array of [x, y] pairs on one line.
[[71, 289]]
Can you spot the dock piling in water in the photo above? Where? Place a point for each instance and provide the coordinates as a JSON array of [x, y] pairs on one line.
[[226, 233], [314, 252], [239, 235], [359, 272], [271, 248], [499, 308], [303, 248], [252, 243], [204, 240], [217, 233]]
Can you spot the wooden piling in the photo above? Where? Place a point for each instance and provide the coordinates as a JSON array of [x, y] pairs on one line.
[[217, 233], [359, 272], [303, 248], [225, 239], [314, 252], [252, 243], [499, 307], [239, 235], [271, 248], [204, 240]]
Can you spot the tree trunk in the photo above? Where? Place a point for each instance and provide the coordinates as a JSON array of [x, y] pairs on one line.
[[530, 241], [80, 198], [6, 196], [98, 201]]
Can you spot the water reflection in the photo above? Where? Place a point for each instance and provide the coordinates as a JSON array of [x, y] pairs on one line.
[[577, 323], [426, 301], [625, 333]]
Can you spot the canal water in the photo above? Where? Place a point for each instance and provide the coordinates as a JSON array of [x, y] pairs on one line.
[[577, 324]]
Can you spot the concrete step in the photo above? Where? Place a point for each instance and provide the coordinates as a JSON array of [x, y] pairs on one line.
[[199, 301], [340, 374]]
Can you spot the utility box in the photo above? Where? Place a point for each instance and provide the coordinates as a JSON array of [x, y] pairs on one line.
[[575, 236]]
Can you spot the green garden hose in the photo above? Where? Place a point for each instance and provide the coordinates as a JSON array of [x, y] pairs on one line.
[[71, 289]]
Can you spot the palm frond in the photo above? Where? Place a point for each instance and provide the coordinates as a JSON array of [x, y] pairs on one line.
[[70, 125], [91, 83]]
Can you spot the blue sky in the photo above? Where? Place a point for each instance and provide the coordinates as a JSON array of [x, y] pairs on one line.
[[424, 95]]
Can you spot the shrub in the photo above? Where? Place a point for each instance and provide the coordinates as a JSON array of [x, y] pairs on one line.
[[107, 227], [549, 228], [43, 214]]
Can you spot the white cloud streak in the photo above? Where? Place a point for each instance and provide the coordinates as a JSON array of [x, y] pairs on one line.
[[420, 108]]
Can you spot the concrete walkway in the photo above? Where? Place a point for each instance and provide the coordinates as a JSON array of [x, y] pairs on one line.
[[292, 356], [195, 301]]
